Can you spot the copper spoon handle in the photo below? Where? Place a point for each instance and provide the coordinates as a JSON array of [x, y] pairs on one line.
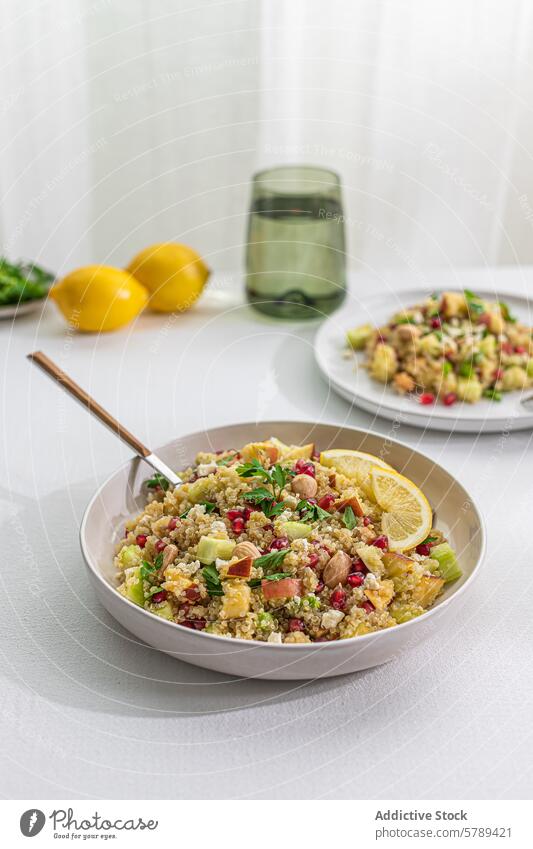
[[57, 374]]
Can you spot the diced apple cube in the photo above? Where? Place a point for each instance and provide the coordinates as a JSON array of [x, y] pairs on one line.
[[426, 590], [351, 501], [382, 596]]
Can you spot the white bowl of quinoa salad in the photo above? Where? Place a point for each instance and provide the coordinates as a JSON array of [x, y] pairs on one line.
[[291, 551]]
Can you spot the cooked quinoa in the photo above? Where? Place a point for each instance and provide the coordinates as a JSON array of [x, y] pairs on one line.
[[265, 543], [454, 347]]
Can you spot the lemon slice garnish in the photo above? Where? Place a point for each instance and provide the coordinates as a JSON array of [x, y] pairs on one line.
[[407, 516], [355, 465]]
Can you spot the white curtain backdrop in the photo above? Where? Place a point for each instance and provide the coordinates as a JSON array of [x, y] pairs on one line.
[[126, 122]]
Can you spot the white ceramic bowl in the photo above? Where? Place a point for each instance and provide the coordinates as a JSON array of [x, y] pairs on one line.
[[120, 497]]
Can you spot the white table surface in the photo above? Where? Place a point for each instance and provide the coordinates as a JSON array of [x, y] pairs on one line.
[[89, 712]]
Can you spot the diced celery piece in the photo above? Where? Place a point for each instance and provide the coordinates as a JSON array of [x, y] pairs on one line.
[[311, 601], [296, 530], [359, 336], [130, 555], [134, 584], [405, 612], [164, 610], [448, 567], [265, 621], [211, 548]]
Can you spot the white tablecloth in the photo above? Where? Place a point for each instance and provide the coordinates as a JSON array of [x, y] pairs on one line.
[[89, 712]]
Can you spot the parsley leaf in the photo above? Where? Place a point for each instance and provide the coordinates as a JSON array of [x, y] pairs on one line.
[[257, 495], [212, 580], [271, 560], [253, 469], [428, 540], [311, 512], [157, 481], [147, 569], [505, 312], [210, 506], [473, 302], [349, 519], [256, 582]]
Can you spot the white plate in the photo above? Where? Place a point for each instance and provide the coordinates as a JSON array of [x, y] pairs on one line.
[[120, 497], [352, 381], [15, 310]]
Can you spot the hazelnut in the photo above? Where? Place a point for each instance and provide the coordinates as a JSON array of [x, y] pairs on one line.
[[305, 486], [337, 569], [246, 549]]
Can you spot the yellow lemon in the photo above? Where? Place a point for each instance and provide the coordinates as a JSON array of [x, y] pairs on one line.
[[355, 465], [407, 517], [174, 275], [99, 297]]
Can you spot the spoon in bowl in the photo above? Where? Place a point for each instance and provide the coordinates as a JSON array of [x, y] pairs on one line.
[[57, 374]]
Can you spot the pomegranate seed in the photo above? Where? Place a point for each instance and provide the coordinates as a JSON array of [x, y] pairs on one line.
[[160, 545], [278, 544], [436, 322], [246, 513], [192, 593], [195, 624], [381, 542], [507, 348], [427, 398], [238, 526], [304, 467], [498, 374], [519, 349], [234, 514], [368, 606], [268, 527], [338, 599], [172, 524], [326, 501], [313, 561], [449, 399], [355, 579], [367, 521], [161, 596], [423, 549], [296, 625], [140, 539], [319, 587]]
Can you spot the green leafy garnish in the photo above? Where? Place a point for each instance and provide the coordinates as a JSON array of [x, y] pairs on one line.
[[158, 481], [492, 394], [261, 493], [22, 282], [465, 370], [147, 569], [276, 477], [212, 580], [428, 540], [310, 512], [349, 519], [271, 560], [253, 469], [256, 582], [446, 367], [505, 312], [210, 506], [474, 303]]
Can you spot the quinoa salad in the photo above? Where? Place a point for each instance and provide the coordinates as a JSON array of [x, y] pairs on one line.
[[280, 544], [451, 347]]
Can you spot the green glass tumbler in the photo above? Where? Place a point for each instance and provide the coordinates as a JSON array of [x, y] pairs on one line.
[[295, 255]]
